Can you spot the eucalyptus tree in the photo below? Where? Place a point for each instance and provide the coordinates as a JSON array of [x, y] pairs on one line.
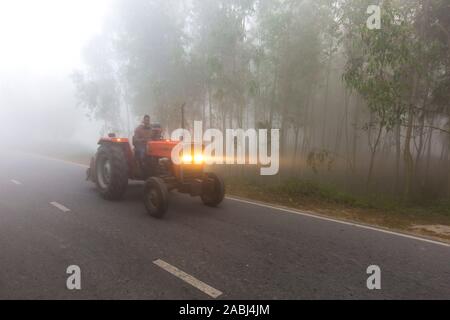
[[378, 66], [293, 47], [220, 44], [97, 87], [149, 41]]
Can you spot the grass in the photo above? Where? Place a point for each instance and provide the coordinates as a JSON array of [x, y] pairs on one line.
[[379, 210]]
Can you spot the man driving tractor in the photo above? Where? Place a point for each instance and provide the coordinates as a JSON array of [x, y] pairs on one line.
[[142, 135]]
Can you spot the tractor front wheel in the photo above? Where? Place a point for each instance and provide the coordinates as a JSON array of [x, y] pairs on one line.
[[213, 190], [156, 197]]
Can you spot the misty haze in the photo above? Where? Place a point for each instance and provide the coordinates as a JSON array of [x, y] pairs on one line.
[[358, 90]]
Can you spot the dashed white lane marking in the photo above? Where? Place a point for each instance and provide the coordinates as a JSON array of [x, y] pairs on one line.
[[60, 206], [16, 182], [315, 216], [210, 291]]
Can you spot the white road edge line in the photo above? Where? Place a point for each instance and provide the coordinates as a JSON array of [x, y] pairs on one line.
[[16, 182], [311, 215], [56, 159], [60, 206], [315, 216], [210, 291]]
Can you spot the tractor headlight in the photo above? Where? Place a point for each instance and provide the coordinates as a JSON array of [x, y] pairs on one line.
[[199, 158], [187, 158]]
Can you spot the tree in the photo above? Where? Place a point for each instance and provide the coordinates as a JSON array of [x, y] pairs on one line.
[[97, 87], [378, 66]]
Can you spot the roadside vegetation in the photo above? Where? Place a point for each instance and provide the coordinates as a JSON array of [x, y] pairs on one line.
[[375, 209]]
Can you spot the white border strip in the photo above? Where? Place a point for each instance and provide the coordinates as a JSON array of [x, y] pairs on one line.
[[55, 159], [310, 215], [18, 183], [210, 291]]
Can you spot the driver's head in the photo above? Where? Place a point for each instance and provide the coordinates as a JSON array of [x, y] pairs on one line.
[[146, 121]]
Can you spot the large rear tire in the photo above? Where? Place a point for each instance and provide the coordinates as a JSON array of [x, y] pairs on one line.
[[111, 172], [156, 197], [213, 190]]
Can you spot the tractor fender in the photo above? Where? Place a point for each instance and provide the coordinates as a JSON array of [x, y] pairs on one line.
[[123, 143]]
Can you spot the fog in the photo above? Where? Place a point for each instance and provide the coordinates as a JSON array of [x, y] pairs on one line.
[[41, 45], [359, 108]]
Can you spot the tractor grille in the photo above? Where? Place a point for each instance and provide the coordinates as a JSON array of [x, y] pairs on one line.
[[192, 172]]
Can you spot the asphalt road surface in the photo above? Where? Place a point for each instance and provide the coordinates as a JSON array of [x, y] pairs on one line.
[[50, 219]]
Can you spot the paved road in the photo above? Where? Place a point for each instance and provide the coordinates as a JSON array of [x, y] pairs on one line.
[[238, 251]]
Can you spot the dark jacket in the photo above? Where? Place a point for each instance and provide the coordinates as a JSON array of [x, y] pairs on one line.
[[142, 135]]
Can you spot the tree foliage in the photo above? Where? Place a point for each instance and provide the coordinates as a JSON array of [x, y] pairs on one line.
[[309, 67]]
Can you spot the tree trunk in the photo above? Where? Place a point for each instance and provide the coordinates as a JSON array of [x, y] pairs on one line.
[[420, 147], [448, 166], [210, 106], [325, 106], [429, 147], [398, 152], [355, 134], [372, 156], [294, 157], [408, 157], [409, 162]]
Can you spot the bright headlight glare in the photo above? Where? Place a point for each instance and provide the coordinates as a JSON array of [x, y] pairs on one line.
[[187, 158], [199, 158]]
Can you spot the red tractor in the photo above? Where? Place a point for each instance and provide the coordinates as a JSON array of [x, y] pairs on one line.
[[115, 164]]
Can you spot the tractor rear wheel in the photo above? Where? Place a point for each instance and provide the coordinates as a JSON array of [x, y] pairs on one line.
[[213, 190], [111, 172], [156, 197]]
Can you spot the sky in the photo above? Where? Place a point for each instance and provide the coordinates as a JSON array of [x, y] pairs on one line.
[[46, 36], [41, 44]]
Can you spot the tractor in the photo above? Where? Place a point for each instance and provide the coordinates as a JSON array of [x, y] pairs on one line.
[[115, 163]]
